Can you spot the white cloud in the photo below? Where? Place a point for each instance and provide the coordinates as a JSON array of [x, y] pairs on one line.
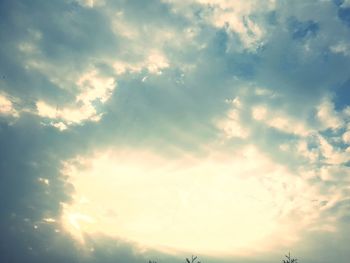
[[319, 151], [46, 110], [91, 3], [231, 125], [341, 48], [154, 63], [235, 16], [250, 33], [311, 154], [331, 154], [265, 92], [59, 125], [92, 87], [328, 117], [280, 121], [6, 106], [259, 113], [67, 116], [147, 47], [335, 173], [248, 196], [288, 125], [346, 137]]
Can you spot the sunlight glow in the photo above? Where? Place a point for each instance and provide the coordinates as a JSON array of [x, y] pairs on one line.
[[222, 203]]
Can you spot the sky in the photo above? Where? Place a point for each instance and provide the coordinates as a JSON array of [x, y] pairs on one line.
[[138, 130]]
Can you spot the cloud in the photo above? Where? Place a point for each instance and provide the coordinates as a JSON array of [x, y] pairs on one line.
[[280, 121], [231, 125], [154, 64], [236, 18], [6, 107], [341, 48], [93, 88], [328, 117], [346, 137], [253, 88], [241, 190], [301, 30]]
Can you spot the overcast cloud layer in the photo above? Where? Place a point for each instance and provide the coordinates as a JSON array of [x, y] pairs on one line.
[[226, 100]]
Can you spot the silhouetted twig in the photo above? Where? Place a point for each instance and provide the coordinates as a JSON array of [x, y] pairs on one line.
[[289, 259], [193, 260]]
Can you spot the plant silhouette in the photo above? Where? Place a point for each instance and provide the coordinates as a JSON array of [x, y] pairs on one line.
[[193, 260], [289, 259]]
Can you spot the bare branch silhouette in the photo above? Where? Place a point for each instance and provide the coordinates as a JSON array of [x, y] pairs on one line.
[[289, 259], [193, 259]]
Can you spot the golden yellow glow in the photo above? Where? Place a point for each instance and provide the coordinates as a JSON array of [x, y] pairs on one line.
[[222, 203]]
